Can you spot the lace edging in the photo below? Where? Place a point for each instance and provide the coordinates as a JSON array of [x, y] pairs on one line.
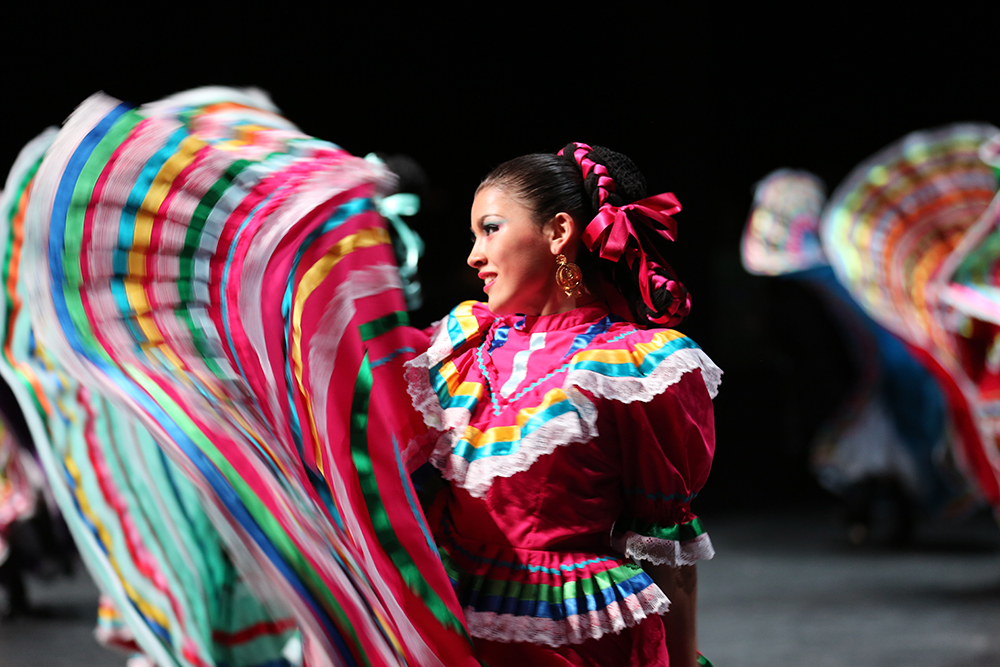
[[476, 477], [664, 552], [575, 629], [667, 373], [422, 396]]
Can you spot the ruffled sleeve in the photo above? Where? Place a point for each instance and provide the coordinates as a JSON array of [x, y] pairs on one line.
[[667, 448]]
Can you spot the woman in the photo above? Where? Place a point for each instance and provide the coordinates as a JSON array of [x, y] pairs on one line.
[[229, 282], [563, 420]]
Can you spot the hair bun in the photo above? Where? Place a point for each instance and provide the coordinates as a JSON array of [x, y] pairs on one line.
[[630, 184]]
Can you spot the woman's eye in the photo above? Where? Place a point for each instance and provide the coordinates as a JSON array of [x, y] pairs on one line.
[[490, 228]]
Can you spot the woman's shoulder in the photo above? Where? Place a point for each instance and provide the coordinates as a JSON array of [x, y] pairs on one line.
[[630, 363]]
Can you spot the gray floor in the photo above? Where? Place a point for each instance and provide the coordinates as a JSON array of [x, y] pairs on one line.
[[788, 590], [785, 590]]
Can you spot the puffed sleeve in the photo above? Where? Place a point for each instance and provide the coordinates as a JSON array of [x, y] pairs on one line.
[[667, 446]]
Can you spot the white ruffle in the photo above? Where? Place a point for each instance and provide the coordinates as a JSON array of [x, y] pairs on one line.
[[645, 388], [576, 629], [425, 399], [476, 477], [664, 552], [579, 426]]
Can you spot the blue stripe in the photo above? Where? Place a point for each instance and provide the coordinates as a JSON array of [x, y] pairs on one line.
[[411, 500], [570, 606], [455, 332], [392, 355], [60, 209], [133, 204], [499, 337], [584, 339]]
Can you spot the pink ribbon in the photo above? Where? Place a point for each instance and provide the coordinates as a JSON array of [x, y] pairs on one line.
[[613, 233], [613, 227]]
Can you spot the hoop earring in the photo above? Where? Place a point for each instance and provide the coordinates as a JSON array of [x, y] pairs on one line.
[[568, 275]]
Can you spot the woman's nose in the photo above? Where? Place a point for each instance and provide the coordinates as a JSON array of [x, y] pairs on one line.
[[476, 257]]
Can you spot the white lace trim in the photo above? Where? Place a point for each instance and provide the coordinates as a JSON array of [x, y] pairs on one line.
[[441, 346], [576, 629], [416, 371], [644, 389], [664, 552], [476, 477]]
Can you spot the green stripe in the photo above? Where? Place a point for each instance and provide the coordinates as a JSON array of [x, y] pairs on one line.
[[679, 532], [191, 242], [83, 192], [375, 328], [384, 531], [197, 224], [552, 594]]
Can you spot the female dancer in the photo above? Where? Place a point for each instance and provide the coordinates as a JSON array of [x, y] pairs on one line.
[[242, 302], [565, 417]]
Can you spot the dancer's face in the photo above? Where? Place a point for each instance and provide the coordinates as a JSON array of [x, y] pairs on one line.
[[515, 257]]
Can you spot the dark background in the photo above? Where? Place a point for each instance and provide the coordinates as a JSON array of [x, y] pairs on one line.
[[706, 101]]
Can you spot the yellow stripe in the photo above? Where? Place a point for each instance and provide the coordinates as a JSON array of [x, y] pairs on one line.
[[606, 356], [466, 320], [317, 273], [158, 191], [625, 356], [142, 236], [660, 339], [169, 353], [451, 377], [478, 438], [248, 133]]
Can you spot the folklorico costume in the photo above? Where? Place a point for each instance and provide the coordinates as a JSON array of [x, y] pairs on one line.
[[553, 431], [219, 288], [574, 444]]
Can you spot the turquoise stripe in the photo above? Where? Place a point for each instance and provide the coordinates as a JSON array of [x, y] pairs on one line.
[[629, 369], [455, 332], [446, 400], [503, 448], [126, 228]]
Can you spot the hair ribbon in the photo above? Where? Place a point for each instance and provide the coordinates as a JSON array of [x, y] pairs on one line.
[[612, 228], [613, 232]]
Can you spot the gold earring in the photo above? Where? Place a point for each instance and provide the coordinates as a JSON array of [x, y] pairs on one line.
[[568, 275]]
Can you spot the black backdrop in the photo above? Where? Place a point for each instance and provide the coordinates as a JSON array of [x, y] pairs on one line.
[[705, 101]]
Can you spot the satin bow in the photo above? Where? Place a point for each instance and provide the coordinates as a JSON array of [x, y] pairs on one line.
[[613, 233]]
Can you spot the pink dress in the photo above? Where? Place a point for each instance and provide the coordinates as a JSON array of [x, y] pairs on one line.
[[574, 444]]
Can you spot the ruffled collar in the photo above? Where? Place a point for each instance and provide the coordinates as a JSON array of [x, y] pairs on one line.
[[483, 437], [556, 322]]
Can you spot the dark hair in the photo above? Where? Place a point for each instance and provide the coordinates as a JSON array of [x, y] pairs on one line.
[[549, 184]]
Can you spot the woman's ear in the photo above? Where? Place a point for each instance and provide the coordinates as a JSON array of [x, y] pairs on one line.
[[563, 235]]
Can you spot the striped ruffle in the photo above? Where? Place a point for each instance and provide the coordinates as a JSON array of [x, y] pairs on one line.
[[447, 386], [546, 597]]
